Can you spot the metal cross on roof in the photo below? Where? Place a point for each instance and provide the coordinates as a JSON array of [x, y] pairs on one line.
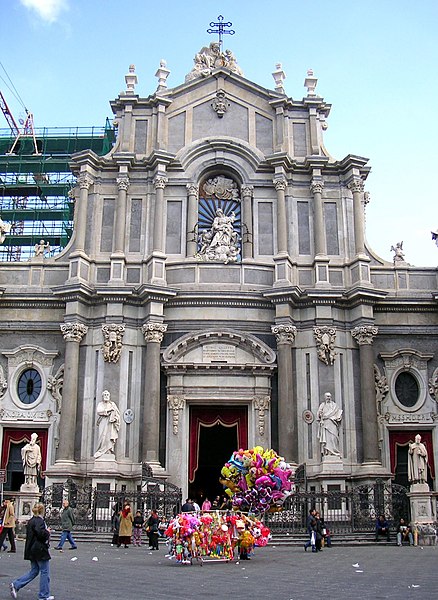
[[221, 28]]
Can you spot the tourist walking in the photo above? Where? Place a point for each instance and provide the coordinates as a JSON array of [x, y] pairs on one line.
[[115, 524], [138, 528], [152, 530], [36, 550], [310, 530], [8, 525], [67, 524], [125, 529]]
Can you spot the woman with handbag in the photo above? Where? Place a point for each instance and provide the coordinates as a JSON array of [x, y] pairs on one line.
[[36, 550], [152, 530]]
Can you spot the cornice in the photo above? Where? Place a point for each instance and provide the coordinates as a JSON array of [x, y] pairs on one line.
[[218, 299]]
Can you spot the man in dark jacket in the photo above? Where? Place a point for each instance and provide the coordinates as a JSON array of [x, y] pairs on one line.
[[67, 524], [36, 550]]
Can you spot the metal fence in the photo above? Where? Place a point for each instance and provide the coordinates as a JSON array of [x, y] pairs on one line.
[[94, 507], [353, 510]]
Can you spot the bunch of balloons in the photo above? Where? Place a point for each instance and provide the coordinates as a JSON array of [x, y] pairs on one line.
[[257, 480]]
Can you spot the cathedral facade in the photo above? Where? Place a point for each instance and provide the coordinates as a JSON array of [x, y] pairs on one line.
[[218, 284]]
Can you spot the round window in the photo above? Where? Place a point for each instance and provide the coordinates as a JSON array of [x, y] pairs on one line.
[[29, 386], [406, 389]]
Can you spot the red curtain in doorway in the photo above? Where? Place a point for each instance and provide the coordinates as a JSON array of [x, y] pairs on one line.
[[404, 438], [209, 417], [17, 436]]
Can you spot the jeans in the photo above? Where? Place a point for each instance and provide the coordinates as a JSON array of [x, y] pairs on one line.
[[409, 536], [66, 535], [36, 566]]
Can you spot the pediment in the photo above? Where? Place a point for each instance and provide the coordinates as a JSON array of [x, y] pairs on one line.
[[218, 347]]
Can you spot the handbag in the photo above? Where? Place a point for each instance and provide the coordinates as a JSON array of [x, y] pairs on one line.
[[313, 539]]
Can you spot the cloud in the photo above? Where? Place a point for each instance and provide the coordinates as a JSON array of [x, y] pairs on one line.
[[48, 10]]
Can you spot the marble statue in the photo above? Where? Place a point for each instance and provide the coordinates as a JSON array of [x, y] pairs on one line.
[[41, 248], [417, 461], [211, 57], [109, 425], [221, 241], [4, 229], [31, 457], [398, 252], [329, 417]]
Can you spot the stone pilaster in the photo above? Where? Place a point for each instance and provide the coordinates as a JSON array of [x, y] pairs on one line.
[[287, 407], [357, 189], [153, 335], [120, 219], [316, 188], [73, 334], [159, 183], [364, 336], [192, 219], [280, 187], [247, 222], [85, 181]]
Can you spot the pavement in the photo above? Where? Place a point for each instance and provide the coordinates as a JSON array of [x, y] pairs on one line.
[[103, 572]]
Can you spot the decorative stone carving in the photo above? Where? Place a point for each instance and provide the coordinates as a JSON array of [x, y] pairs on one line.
[[54, 385], [85, 181], [154, 332], [112, 345], [28, 356], [433, 385], [364, 334], [41, 248], [4, 229], [211, 57], [192, 189], [262, 404], [3, 383], [284, 334], [399, 256], [279, 184], [131, 80], [123, 183], [222, 187], [247, 191], [308, 416], [310, 83], [175, 404], [220, 242], [325, 341], [25, 415], [162, 74], [73, 331], [382, 389], [160, 182], [220, 103], [357, 185], [316, 186], [279, 76]]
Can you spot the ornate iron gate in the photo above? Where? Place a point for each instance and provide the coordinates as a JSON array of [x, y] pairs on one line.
[[347, 511], [94, 506]]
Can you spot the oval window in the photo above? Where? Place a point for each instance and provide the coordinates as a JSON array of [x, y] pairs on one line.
[[29, 386], [406, 389]]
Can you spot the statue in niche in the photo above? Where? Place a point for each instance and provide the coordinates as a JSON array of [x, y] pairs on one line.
[[220, 242], [417, 461], [31, 457], [109, 425], [329, 417]]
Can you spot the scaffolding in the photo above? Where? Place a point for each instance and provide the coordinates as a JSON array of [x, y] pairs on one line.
[[35, 185]]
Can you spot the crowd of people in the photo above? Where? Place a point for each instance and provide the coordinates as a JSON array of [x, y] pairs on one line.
[[128, 527]]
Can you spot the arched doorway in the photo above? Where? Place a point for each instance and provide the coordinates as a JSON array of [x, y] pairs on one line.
[[215, 432]]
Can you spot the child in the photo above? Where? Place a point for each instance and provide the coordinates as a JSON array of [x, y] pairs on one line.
[[138, 526]]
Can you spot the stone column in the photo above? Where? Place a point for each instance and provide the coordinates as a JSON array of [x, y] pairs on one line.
[[192, 219], [84, 181], [357, 188], [287, 406], [160, 184], [316, 188], [247, 223], [73, 334], [280, 186], [153, 335], [120, 218], [364, 336]]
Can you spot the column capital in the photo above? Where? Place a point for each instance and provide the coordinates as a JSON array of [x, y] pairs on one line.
[[85, 181], [357, 185], [284, 334], [154, 332], [73, 331], [247, 190], [364, 334], [280, 184], [123, 183], [316, 186], [160, 182], [192, 189]]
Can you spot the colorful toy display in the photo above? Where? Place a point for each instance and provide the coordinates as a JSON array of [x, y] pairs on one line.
[[257, 480], [215, 535]]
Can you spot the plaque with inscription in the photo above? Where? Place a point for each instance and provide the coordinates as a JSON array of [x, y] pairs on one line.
[[218, 353]]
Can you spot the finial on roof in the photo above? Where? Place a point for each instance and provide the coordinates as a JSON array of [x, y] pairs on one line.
[[162, 74], [310, 83], [131, 80], [279, 76]]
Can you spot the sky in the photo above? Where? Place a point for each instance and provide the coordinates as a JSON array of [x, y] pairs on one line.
[[376, 64]]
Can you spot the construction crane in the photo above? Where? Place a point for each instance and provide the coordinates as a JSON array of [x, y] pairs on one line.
[[27, 131]]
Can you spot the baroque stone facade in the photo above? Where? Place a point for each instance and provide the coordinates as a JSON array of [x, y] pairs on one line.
[[218, 284]]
